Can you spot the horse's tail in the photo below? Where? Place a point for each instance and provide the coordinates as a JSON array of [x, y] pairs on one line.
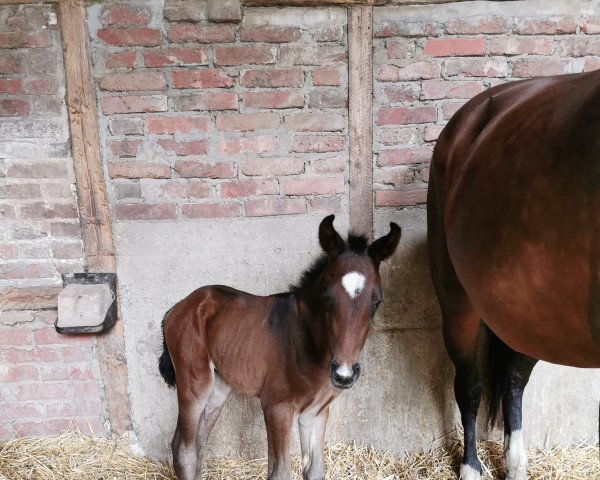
[[165, 364], [498, 356]]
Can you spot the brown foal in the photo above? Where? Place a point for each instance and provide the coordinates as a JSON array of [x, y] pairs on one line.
[[295, 351]]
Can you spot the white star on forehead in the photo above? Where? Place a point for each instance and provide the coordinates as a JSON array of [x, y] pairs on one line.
[[354, 283]]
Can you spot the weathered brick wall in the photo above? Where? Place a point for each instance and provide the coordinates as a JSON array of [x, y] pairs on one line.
[[202, 119], [47, 381], [430, 61]]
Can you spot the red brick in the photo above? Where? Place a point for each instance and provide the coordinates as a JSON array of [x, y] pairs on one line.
[[42, 391], [21, 39], [446, 47], [39, 354], [311, 54], [16, 337], [413, 71], [534, 67], [432, 132], [8, 251], [317, 144], [10, 64], [330, 165], [273, 100], [18, 373], [403, 93], [404, 156], [205, 78], [126, 126], [255, 55], [270, 34], [138, 170], [184, 147], [270, 207], [67, 250], [236, 146], [476, 25], [521, 46], [404, 28], [315, 122], [400, 198], [87, 390], [194, 169], [19, 190], [450, 108], [198, 33], [143, 211], [48, 210], [273, 166], [125, 16], [328, 98], [327, 33], [326, 205], [129, 82], [174, 56], [11, 86], [590, 25], [579, 46], [398, 176], [7, 211], [121, 37], [49, 336], [179, 190], [124, 148], [591, 64], [424, 174], [545, 26], [404, 48], [134, 104], [272, 78], [121, 60], [249, 187], [326, 77], [210, 210], [47, 427], [206, 101], [476, 67], [314, 186], [247, 121], [77, 354], [19, 410], [405, 115], [438, 89], [178, 124], [66, 372], [14, 108]]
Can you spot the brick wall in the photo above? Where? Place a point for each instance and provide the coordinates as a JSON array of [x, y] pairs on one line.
[[47, 381], [429, 62], [202, 119]]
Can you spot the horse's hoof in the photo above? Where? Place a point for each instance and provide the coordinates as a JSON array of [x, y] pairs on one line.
[[467, 472]]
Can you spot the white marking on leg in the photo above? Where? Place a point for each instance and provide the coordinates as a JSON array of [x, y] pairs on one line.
[[515, 456], [354, 283], [467, 472], [344, 371]]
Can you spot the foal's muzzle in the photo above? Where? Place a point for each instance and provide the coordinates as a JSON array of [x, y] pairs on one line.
[[343, 376]]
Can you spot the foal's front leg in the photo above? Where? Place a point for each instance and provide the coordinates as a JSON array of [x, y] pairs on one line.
[[312, 443], [278, 420]]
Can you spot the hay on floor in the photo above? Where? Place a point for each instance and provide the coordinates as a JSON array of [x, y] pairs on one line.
[[79, 457]]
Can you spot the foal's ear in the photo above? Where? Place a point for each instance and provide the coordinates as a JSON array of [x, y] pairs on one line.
[[383, 247], [329, 239]]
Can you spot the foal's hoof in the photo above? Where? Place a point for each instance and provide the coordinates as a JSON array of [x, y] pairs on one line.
[[467, 472]]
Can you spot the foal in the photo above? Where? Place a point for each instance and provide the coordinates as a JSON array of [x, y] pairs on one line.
[[295, 351]]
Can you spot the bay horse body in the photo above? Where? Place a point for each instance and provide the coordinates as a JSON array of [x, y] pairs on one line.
[[295, 351], [514, 240]]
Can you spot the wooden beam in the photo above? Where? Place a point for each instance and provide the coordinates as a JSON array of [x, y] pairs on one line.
[[91, 196], [360, 117]]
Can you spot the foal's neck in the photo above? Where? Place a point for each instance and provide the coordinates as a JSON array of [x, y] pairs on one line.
[[313, 323]]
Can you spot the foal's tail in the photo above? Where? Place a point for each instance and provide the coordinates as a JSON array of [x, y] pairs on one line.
[[165, 364], [498, 359]]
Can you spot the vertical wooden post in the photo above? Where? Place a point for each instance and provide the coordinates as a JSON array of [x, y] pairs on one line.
[[94, 211], [360, 112]]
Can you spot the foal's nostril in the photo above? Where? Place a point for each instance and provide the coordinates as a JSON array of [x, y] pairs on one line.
[[343, 376], [356, 371]]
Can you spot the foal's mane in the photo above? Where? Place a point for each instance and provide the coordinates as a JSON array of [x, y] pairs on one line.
[[355, 243]]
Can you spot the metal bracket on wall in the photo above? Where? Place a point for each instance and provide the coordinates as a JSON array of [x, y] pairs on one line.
[[87, 303]]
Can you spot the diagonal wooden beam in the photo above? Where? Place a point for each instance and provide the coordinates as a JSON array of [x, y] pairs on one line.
[[94, 210]]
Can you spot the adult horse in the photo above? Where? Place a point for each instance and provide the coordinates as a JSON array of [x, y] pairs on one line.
[[293, 350], [514, 240]]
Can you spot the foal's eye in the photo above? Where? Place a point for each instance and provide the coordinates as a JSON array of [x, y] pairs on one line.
[[328, 302], [374, 308]]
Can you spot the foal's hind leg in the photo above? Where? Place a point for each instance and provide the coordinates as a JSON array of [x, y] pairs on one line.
[[515, 372], [219, 394], [194, 384]]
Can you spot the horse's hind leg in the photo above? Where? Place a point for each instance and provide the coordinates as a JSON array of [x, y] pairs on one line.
[[194, 384], [219, 394], [510, 376]]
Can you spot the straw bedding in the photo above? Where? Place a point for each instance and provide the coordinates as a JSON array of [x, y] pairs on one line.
[[73, 455]]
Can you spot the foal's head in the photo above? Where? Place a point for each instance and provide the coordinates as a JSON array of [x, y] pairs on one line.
[[349, 293]]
